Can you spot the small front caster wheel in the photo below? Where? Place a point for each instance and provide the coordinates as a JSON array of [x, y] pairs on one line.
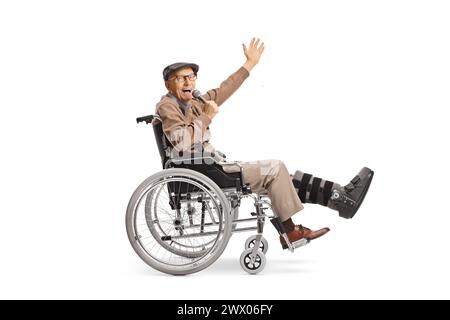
[[255, 265], [263, 245]]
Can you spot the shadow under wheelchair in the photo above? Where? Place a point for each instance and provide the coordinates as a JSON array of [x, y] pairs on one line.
[[277, 266], [179, 220]]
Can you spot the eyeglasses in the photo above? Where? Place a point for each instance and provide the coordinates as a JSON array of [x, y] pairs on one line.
[[191, 77]]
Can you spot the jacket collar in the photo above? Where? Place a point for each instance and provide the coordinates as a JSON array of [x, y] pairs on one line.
[[184, 106]]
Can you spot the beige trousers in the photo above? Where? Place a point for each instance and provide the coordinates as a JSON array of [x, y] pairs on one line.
[[271, 177]]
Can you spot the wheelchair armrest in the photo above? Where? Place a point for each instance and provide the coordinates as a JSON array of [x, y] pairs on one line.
[[192, 160], [213, 169], [147, 119]]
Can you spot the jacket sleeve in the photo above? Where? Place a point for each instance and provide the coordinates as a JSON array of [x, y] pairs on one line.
[[182, 136], [228, 87]]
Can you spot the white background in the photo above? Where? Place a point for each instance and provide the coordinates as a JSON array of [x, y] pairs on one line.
[[341, 85]]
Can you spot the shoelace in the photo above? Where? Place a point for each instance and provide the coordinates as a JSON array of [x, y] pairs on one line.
[[302, 229]]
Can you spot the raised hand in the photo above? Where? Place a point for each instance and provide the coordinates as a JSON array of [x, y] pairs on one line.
[[253, 53]]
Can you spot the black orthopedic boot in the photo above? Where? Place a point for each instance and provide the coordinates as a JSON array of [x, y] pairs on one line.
[[346, 200]]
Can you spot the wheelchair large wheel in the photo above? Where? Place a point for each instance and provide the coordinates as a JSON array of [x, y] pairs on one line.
[[160, 225], [178, 221]]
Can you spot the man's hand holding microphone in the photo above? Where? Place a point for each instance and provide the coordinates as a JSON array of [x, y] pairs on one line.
[[210, 108]]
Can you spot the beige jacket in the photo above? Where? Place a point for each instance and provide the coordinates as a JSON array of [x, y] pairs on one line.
[[187, 129]]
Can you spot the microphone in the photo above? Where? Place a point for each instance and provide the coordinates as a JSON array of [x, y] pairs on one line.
[[198, 95]]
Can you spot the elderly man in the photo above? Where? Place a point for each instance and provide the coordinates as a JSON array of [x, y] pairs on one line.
[[185, 121]]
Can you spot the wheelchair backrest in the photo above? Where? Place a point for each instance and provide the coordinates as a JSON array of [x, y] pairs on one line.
[[161, 140]]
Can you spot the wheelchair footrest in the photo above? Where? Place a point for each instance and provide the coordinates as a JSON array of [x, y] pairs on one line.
[[297, 244]]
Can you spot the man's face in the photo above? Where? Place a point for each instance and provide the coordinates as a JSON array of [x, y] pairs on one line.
[[181, 83]]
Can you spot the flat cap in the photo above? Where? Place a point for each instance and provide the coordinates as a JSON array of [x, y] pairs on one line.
[[177, 66]]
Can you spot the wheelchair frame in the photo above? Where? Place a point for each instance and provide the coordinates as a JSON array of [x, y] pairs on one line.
[[189, 228]]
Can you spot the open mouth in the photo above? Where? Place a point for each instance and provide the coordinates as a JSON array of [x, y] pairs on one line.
[[186, 93]]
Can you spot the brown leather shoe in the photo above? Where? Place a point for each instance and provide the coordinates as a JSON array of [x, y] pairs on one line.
[[300, 234]]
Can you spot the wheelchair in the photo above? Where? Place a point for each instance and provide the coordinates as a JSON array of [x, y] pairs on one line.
[[179, 220]]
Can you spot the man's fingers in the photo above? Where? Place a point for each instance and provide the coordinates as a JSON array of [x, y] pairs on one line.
[[210, 108], [254, 45], [212, 104], [261, 48]]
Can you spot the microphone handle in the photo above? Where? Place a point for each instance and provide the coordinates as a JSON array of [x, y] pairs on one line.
[[198, 96], [201, 99]]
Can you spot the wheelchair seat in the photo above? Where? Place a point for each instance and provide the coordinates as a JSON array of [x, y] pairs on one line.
[[209, 166]]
